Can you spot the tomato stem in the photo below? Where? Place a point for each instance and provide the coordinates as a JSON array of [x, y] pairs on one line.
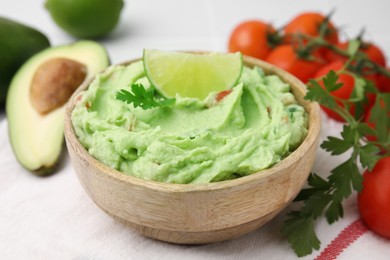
[[361, 60]]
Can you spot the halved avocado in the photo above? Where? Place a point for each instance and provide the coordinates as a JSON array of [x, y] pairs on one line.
[[37, 137]]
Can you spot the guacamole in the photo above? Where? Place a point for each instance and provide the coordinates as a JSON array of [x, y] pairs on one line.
[[223, 137]]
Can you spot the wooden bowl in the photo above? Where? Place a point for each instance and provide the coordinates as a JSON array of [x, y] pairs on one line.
[[198, 213]]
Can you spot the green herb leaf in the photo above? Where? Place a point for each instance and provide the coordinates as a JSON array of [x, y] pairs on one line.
[[316, 93], [370, 87], [353, 47], [305, 194], [326, 196], [315, 205], [330, 81], [349, 134], [380, 114], [334, 212], [345, 177], [144, 98], [300, 233], [318, 182], [364, 129], [319, 186], [336, 145], [359, 96], [341, 181], [369, 155], [358, 89]]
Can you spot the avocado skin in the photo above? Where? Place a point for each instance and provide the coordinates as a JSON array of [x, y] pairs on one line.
[[18, 42]]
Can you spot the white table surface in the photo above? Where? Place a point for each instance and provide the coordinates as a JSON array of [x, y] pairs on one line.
[[53, 218]]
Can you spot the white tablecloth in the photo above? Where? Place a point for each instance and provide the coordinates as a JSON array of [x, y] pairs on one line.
[[53, 218]]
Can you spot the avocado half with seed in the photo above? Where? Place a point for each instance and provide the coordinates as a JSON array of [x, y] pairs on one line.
[[36, 99]]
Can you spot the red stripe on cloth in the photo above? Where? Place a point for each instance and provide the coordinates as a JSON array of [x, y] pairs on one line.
[[345, 238]]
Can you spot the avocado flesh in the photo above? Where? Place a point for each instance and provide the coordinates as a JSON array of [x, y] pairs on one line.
[[37, 139], [18, 42]]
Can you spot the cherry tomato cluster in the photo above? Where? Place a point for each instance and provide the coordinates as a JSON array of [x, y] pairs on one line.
[[309, 48], [292, 49]]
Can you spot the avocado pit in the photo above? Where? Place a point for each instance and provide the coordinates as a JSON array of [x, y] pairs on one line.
[[54, 82]]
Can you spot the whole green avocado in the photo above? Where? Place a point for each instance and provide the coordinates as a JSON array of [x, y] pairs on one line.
[[18, 42]]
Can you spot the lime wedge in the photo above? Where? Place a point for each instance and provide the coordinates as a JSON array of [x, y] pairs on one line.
[[192, 75]]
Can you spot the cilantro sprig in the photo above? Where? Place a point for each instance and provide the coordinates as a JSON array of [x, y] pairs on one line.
[[142, 97], [325, 196]]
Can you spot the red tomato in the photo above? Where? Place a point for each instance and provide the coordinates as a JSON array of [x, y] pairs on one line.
[[285, 57], [251, 38], [375, 78], [384, 83], [344, 92], [332, 56], [372, 51], [374, 200], [309, 24], [221, 95]]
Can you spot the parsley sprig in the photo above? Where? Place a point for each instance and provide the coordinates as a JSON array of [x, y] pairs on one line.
[[142, 97], [325, 196]]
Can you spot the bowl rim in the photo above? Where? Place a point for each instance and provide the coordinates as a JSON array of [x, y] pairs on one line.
[[314, 127]]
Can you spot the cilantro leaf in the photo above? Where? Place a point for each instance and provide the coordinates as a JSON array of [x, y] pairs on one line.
[[338, 146], [370, 87], [318, 182], [316, 93], [345, 177], [300, 232], [349, 134], [144, 98], [305, 194], [358, 89], [334, 212], [335, 145], [369, 155], [325, 196], [359, 96], [353, 47], [315, 205], [318, 185], [330, 81], [364, 129], [380, 115]]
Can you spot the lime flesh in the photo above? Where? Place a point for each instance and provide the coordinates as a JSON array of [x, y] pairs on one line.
[[192, 75]]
